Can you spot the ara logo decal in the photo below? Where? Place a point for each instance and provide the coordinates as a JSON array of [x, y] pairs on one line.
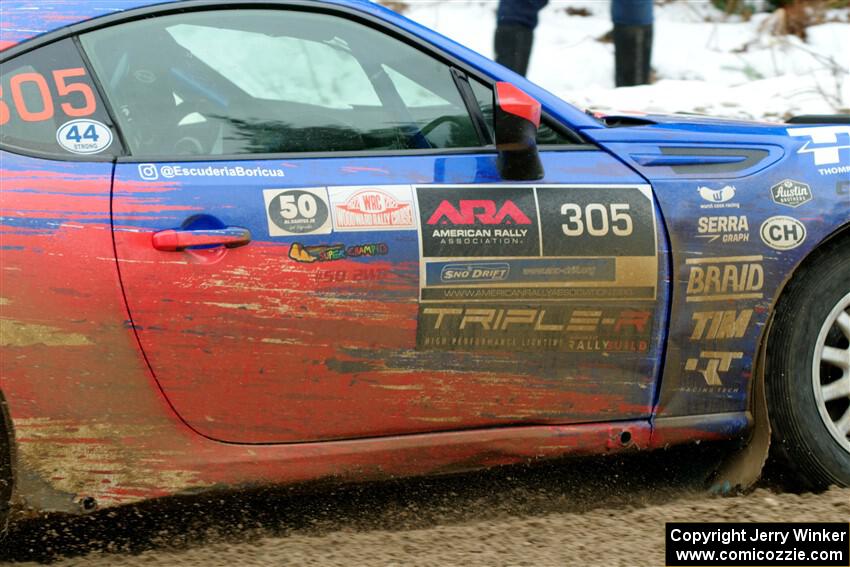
[[481, 211], [791, 193], [718, 198], [782, 233], [467, 222], [825, 143]]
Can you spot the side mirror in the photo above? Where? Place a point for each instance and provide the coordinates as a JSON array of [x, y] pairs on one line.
[[516, 118]]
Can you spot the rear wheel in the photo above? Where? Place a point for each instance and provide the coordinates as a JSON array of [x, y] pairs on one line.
[[808, 371]]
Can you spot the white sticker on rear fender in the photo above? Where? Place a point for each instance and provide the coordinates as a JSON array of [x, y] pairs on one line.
[[829, 141], [782, 233], [84, 136]]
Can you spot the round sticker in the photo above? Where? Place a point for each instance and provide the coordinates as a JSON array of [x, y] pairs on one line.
[[782, 233], [84, 136], [298, 212]]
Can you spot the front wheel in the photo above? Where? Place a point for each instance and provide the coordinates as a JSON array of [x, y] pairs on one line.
[[808, 371]]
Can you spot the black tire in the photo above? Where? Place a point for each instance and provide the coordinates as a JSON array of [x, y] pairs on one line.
[[802, 440]]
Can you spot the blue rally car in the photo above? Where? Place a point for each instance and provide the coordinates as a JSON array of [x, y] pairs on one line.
[[254, 242]]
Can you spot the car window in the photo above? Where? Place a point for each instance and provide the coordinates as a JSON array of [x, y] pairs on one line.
[[48, 104], [270, 81], [316, 73], [546, 135]]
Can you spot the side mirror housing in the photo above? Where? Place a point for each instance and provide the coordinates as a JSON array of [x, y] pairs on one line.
[[516, 118]]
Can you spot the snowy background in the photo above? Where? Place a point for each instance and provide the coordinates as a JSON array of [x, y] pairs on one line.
[[705, 60]]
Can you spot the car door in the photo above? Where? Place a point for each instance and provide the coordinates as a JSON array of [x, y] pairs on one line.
[[316, 243]]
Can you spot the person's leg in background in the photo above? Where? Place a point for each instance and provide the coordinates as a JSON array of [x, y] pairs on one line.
[[633, 21], [515, 23]]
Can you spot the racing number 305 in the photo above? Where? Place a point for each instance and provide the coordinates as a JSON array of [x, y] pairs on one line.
[[39, 83], [597, 220]]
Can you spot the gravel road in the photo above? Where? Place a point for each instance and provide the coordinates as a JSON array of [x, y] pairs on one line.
[[592, 512]]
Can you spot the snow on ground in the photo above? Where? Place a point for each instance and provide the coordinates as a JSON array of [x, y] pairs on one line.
[[705, 61]]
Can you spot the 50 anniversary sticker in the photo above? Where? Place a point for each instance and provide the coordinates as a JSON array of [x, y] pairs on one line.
[[296, 212]]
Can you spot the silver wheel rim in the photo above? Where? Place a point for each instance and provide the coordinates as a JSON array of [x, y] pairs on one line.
[[831, 372]]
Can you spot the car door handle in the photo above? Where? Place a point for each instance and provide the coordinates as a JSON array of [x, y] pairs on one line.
[[173, 240]]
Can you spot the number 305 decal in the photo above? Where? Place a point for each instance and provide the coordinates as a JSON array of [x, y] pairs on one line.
[[27, 110], [596, 220]]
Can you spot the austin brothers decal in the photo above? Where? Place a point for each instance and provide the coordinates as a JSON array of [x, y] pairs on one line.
[[385, 207], [791, 193], [503, 266]]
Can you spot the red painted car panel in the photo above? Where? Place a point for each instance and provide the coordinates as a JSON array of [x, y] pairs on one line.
[[251, 346]]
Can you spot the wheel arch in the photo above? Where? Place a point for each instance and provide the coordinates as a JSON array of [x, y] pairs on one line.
[[743, 467], [841, 234]]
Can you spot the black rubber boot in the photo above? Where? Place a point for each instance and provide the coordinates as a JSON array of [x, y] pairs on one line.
[[513, 46], [632, 56]]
